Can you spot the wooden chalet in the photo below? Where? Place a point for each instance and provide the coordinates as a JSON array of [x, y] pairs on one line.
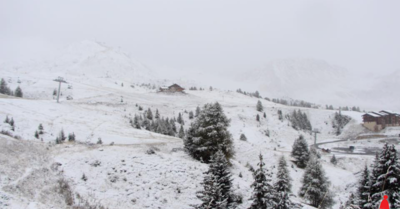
[[172, 89], [377, 121]]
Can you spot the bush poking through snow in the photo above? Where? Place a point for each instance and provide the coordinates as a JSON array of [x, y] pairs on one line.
[[243, 137]]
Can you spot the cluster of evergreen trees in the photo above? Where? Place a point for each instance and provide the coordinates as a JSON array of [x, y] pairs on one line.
[[295, 103], [315, 184], [346, 108], [195, 88], [39, 132], [160, 124], [299, 120], [217, 186], [4, 89], [255, 94], [62, 137], [339, 121], [382, 179], [10, 122]]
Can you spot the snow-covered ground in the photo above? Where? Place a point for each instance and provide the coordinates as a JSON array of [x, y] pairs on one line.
[[120, 173]]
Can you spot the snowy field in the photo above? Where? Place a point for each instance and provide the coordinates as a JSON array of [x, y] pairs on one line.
[[120, 173]]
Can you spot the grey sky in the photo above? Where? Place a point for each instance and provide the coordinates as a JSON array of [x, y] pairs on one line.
[[208, 35]]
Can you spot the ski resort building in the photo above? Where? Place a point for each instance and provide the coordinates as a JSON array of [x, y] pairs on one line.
[[377, 121], [172, 89]]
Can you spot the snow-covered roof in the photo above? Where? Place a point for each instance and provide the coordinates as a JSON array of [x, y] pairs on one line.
[[389, 112], [373, 114], [164, 87]]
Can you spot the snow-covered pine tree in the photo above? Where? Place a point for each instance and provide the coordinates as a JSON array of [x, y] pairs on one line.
[[136, 123], [149, 114], [40, 129], [333, 160], [265, 115], [264, 195], [386, 176], [181, 133], [363, 190], [191, 115], [217, 185], [259, 106], [282, 185], [157, 116], [12, 124], [300, 152], [4, 88], [180, 119], [7, 120], [197, 111], [209, 133], [36, 135], [258, 117], [71, 137], [315, 186], [280, 116], [351, 202], [18, 92], [243, 137], [61, 135]]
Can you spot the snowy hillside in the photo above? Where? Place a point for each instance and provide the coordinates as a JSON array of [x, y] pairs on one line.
[[135, 168]]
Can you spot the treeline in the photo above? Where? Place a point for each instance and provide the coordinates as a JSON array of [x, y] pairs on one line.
[[255, 94], [4, 89], [345, 108], [295, 103]]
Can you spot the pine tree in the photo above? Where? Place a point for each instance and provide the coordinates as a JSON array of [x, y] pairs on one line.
[[265, 115], [181, 133], [264, 195], [7, 120], [300, 152], [209, 133], [243, 137], [149, 114], [136, 123], [314, 151], [333, 160], [259, 106], [4, 88], [40, 129], [180, 119], [18, 92], [315, 186], [71, 137], [363, 191], [351, 202], [191, 115], [217, 185], [55, 92], [36, 135], [157, 116], [280, 116], [386, 176], [61, 135], [258, 118], [12, 124], [282, 185], [197, 111]]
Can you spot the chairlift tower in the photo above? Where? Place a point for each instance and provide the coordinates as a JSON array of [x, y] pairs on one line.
[[59, 80], [315, 131]]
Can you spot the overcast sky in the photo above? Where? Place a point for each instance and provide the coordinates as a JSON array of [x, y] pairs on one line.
[[209, 35]]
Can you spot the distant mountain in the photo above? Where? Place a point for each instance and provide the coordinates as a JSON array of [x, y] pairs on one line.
[[91, 59], [323, 83]]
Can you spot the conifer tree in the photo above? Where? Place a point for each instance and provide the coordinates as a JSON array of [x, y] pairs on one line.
[[7, 120], [136, 123], [55, 92], [18, 92], [363, 190], [61, 135], [315, 186], [36, 135], [333, 160], [243, 137], [180, 119], [258, 118], [264, 195], [314, 151], [265, 115], [217, 185], [283, 185], [71, 137], [259, 106], [4, 88], [209, 133], [280, 116], [197, 111], [386, 176], [181, 133], [300, 152], [149, 114], [40, 129], [12, 124], [191, 115], [157, 116], [351, 202]]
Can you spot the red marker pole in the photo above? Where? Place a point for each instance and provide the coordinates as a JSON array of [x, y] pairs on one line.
[[384, 204]]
